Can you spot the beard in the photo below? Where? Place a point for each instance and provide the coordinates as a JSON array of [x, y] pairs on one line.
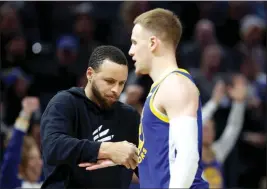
[[102, 101]]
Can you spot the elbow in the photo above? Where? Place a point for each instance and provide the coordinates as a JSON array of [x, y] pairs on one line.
[[54, 157], [51, 157], [50, 152]]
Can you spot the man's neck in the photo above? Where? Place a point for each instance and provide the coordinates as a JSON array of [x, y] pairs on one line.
[[161, 66]]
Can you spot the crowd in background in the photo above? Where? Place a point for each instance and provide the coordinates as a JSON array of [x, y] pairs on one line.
[[45, 47]]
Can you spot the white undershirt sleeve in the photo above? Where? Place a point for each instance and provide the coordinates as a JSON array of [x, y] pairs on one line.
[[223, 146], [208, 111], [184, 137]]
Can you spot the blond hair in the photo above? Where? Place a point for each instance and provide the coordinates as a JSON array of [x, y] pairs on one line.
[[164, 23]]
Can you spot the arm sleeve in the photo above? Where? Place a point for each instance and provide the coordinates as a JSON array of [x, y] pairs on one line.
[[58, 144], [183, 135], [223, 146], [208, 111], [10, 165]]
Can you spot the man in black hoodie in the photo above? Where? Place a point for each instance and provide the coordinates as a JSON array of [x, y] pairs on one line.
[[89, 124]]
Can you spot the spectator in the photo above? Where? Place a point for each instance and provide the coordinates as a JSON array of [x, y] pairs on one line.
[[22, 164], [252, 34], [10, 22], [15, 53], [215, 153], [122, 27], [84, 28], [209, 72], [204, 36]]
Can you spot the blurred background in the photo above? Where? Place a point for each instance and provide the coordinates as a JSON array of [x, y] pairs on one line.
[[45, 48]]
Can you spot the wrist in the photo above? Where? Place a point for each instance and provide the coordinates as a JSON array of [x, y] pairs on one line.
[[239, 104], [213, 104], [24, 115], [215, 101], [22, 124], [104, 152]]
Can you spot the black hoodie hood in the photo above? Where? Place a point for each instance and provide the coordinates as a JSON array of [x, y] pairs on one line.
[[78, 91]]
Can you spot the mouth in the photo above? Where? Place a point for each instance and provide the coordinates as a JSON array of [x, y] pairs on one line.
[[112, 98]]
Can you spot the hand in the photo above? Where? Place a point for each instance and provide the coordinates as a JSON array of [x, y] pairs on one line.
[[239, 90], [121, 153], [98, 165], [218, 92], [30, 105]]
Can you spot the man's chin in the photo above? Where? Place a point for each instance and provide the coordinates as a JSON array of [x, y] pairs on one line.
[[108, 105], [138, 72]]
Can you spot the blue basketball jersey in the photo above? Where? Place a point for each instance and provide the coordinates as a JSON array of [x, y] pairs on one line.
[[156, 156]]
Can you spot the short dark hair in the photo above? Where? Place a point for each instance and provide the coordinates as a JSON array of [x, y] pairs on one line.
[[104, 52]]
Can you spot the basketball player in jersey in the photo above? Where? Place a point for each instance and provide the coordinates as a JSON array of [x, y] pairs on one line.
[[170, 133]]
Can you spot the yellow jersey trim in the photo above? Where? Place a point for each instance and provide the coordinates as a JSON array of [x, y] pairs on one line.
[[165, 75], [161, 116], [155, 111]]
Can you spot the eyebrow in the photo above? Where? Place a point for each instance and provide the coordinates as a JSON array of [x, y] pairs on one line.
[[110, 78]]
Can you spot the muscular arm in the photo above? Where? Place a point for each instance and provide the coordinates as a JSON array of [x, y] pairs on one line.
[[181, 107]]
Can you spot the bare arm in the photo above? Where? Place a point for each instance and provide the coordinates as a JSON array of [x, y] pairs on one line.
[[181, 107]]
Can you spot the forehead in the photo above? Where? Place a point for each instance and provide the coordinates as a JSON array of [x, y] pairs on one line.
[[140, 32], [113, 70]]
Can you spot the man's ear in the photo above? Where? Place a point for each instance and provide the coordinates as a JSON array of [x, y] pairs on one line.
[[153, 43], [89, 73]]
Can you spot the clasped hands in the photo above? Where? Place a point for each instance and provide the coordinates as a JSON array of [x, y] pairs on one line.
[[116, 153]]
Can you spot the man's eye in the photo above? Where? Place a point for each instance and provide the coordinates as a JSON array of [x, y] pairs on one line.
[[122, 83], [109, 81]]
